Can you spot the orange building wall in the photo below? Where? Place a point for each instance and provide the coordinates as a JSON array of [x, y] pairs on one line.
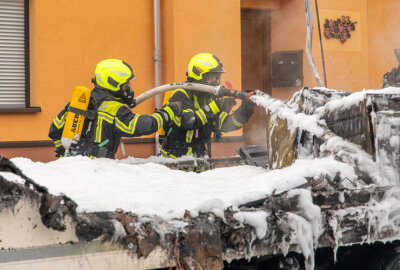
[[346, 64], [357, 64], [191, 27], [383, 38], [69, 37], [361, 61], [288, 32], [261, 4]]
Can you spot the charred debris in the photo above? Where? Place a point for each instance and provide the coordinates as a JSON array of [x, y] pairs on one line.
[[345, 213]]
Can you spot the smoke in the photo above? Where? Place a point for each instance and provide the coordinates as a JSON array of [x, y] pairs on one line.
[[254, 130]]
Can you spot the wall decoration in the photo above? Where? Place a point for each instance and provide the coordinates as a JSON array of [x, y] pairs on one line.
[[339, 29]]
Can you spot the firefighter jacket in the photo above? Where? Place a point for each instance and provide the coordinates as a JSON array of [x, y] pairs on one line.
[[113, 120], [189, 133]]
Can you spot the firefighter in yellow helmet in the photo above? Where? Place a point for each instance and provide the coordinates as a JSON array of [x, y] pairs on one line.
[[202, 113], [109, 115]]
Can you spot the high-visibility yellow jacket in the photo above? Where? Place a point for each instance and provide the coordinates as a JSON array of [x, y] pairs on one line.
[[114, 120], [190, 132]]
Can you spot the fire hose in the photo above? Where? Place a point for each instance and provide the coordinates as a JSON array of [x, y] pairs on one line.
[[215, 90]]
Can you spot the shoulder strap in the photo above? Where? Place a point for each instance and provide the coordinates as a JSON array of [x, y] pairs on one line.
[[89, 114]]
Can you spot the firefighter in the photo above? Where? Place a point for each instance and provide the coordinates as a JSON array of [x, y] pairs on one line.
[[110, 103], [202, 113]]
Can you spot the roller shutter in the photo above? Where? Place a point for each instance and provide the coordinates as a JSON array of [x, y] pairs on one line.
[[13, 77]]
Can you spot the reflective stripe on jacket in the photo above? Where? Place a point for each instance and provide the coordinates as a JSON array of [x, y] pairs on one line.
[[114, 120], [190, 132]]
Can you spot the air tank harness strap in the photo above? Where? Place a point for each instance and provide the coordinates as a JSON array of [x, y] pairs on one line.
[[89, 114]]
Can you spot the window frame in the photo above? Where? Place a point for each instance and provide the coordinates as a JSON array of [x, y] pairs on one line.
[[28, 108]]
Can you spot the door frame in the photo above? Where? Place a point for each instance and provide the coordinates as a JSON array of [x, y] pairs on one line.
[[265, 16]]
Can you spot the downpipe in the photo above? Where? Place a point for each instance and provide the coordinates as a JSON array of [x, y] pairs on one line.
[[310, 29], [157, 63]]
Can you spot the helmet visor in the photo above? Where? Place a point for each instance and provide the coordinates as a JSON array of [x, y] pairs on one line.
[[213, 78], [219, 69]]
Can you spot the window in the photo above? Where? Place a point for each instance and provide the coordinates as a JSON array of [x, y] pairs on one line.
[[14, 56]]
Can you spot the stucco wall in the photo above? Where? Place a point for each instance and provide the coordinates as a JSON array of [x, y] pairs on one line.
[[346, 63], [69, 37], [360, 62], [383, 38], [288, 32]]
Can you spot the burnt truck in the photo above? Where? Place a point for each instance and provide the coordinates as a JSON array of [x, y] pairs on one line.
[[324, 223]]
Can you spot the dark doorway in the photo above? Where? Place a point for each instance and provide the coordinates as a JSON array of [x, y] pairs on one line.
[[256, 66]]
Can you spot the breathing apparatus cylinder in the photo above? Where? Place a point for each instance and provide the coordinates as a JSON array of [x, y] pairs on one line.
[[75, 116]]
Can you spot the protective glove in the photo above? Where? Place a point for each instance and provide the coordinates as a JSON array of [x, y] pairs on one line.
[[60, 151], [234, 93], [223, 91], [210, 110], [176, 107], [226, 104], [249, 94], [169, 112], [247, 107]]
